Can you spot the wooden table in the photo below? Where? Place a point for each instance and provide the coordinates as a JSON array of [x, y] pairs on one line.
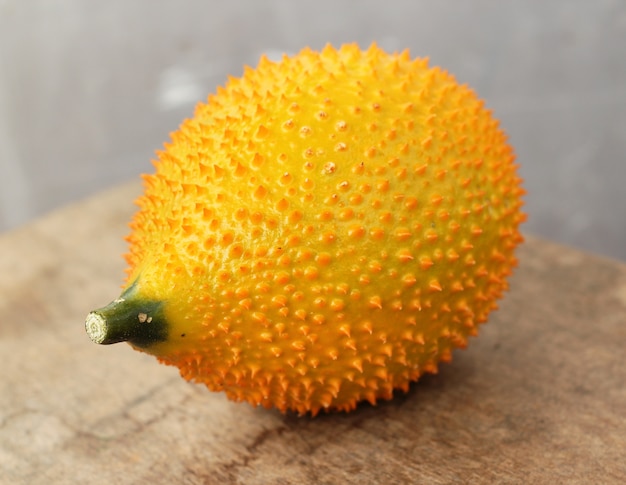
[[539, 397]]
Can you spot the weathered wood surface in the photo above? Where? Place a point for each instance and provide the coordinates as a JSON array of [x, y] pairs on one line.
[[539, 397]]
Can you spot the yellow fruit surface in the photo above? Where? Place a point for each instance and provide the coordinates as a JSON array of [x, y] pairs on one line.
[[326, 229]]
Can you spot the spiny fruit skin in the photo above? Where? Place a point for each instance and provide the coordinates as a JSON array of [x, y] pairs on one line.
[[326, 229]]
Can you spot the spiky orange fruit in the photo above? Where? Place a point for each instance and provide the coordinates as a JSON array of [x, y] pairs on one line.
[[324, 230]]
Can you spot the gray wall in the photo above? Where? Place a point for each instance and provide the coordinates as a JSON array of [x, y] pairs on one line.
[[88, 90]]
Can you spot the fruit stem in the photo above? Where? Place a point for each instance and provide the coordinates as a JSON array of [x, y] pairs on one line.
[[128, 319]]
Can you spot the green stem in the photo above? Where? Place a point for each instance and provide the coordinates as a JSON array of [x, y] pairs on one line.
[[128, 319]]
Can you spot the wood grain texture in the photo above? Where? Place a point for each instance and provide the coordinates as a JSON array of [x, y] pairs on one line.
[[538, 397]]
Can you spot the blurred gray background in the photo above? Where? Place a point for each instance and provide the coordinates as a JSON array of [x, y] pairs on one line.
[[89, 90]]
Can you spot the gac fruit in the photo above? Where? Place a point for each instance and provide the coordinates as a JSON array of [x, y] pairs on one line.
[[324, 230]]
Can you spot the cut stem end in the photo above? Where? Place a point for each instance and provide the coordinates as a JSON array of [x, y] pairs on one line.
[[96, 327], [130, 318]]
